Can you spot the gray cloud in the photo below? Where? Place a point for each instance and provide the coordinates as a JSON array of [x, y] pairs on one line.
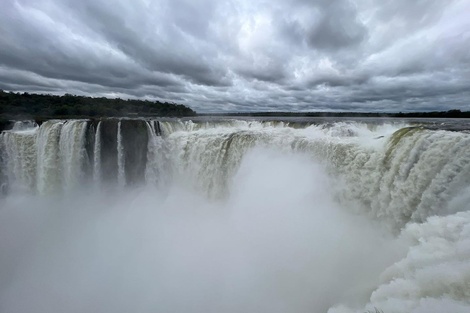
[[239, 55], [337, 27]]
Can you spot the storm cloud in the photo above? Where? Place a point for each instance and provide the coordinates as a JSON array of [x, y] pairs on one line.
[[243, 55]]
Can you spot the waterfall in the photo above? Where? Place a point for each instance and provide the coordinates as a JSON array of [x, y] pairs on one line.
[[154, 170], [261, 215], [48, 160], [24, 125], [72, 153], [415, 176], [397, 173], [20, 158], [120, 158], [97, 156]]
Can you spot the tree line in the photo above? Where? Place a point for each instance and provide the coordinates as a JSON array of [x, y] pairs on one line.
[[44, 106]]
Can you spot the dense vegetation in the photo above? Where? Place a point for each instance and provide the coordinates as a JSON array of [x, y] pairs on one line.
[[42, 107], [25, 105]]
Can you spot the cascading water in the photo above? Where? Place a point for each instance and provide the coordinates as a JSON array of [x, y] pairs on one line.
[[120, 158], [72, 153], [19, 150], [97, 155], [235, 215], [48, 164], [154, 170]]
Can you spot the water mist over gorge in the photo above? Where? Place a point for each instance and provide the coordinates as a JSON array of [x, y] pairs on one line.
[[120, 215]]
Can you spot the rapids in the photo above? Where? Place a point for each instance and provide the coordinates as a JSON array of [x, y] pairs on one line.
[[122, 215]]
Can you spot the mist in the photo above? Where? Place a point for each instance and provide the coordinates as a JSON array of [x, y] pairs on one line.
[[279, 242]]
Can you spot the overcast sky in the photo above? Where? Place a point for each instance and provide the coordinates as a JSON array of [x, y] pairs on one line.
[[243, 55]]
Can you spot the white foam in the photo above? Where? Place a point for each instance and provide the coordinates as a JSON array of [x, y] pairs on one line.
[[269, 247]]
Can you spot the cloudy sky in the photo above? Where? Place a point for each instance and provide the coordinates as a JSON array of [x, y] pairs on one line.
[[243, 55]]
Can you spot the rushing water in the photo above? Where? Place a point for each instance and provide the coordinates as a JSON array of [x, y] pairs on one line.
[[226, 215]]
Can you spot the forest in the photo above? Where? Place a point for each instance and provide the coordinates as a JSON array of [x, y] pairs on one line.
[[45, 106]]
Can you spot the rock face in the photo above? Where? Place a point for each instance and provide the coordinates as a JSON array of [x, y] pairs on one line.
[[4, 125], [108, 149], [134, 142]]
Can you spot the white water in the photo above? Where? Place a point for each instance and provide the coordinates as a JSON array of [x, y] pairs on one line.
[[97, 156], [156, 158], [72, 153], [254, 217], [48, 164], [20, 150], [120, 158]]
